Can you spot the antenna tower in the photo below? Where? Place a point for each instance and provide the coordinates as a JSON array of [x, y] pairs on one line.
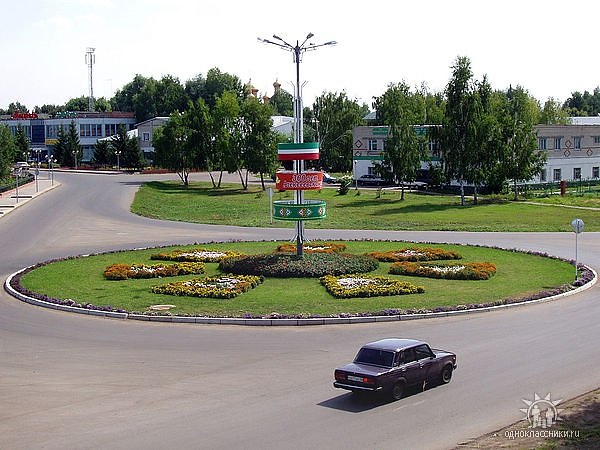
[[90, 60]]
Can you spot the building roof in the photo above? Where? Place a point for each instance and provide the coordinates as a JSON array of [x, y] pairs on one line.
[[592, 120], [159, 118], [371, 116]]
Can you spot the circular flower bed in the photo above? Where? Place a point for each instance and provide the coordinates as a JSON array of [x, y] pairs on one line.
[[466, 271], [225, 286], [125, 271], [285, 265], [196, 255], [348, 286], [415, 254], [314, 247]]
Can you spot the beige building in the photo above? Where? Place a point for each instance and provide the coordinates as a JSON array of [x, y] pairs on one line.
[[573, 151], [145, 133]]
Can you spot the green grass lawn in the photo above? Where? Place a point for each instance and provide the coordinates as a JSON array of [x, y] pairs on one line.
[[362, 209], [82, 280]]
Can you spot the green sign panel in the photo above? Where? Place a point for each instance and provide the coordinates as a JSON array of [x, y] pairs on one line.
[[289, 210], [380, 130]]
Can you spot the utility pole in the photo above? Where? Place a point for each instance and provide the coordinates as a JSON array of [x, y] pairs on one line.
[[90, 60]]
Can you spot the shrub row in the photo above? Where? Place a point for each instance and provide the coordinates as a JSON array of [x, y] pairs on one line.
[[125, 271], [311, 265], [196, 255], [367, 286], [224, 286], [467, 271], [415, 254], [313, 247]]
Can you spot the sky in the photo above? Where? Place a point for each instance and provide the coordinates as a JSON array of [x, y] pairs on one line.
[[545, 46]]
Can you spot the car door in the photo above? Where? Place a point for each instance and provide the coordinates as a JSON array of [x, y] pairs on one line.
[[426, 362], [410, 368]]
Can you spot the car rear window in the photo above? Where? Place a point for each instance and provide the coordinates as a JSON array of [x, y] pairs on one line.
[[375, 357]]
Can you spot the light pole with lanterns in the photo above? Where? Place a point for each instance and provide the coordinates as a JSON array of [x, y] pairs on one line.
[[50, 159], [297, 51]]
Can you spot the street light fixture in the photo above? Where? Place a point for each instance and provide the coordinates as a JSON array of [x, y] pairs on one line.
[[36, 173], [297, 51], [75, 157], [51, 162], [118, 153]]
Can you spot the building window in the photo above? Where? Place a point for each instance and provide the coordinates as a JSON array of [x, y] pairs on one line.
[[372, 145], [596, 172], [596, 139], [543, 175], [556, 175], [577, 173], [542, 143], [577, 142], [145, 136], [557, 143]]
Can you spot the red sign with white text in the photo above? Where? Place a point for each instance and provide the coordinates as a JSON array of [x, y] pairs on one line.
[[292, 181]]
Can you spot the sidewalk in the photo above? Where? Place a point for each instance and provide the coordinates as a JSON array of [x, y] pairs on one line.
[[9, 200]]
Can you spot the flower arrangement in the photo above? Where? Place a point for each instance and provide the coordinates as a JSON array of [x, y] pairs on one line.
[[284, 265], [224, 286], [415, 254], [348, 286], [197, 255], [313, 247], [125, 271], [466, 271]]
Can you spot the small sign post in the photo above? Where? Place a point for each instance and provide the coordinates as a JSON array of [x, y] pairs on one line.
[[577, 226], [270, 194]]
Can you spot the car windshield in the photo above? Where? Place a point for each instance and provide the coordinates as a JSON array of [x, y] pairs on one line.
[[375, 357]]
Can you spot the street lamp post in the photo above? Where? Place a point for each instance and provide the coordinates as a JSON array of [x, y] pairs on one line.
[[51, 162], [577, 226], [37, 152], [297, 51], [118, 154], [75, 158]]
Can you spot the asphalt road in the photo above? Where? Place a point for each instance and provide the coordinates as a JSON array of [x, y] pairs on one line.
[[71, 381]]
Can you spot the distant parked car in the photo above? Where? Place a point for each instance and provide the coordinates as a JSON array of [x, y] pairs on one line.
[[329, 179], [370, 180], [392, 365]]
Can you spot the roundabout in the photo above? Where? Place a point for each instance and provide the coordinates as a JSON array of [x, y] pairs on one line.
[[86, 382]]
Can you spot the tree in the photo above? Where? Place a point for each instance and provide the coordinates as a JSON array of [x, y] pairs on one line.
[[172, 149], [195, 88], [226, 132], [17, 107], [335, 115], [522, 160], [59, 151], [22, 143], [123, 98], [8, 150], [259, 142], [77, 104], [403, 150], [72, 153], [553, 113], [102, 153], [218, 82], [128, 149], [282, 103], [456, 130], [197, 120]]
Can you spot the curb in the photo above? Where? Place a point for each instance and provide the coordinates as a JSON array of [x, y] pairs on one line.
[[284, 322]]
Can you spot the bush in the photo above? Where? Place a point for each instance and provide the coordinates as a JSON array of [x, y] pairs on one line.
[[313, 247], [125, 271], [224, 286], [285, 265], [196, 255], [415, 254], [367, 286], [467, 271]]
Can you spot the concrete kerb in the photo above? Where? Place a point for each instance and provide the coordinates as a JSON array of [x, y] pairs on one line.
[[283, 322]]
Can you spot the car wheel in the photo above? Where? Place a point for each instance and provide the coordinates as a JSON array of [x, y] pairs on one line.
[[446, 374], [397, 391]]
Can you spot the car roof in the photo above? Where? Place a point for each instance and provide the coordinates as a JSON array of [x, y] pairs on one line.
[[393, 344]]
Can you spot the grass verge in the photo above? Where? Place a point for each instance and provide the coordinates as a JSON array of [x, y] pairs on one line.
[[362, 209]]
